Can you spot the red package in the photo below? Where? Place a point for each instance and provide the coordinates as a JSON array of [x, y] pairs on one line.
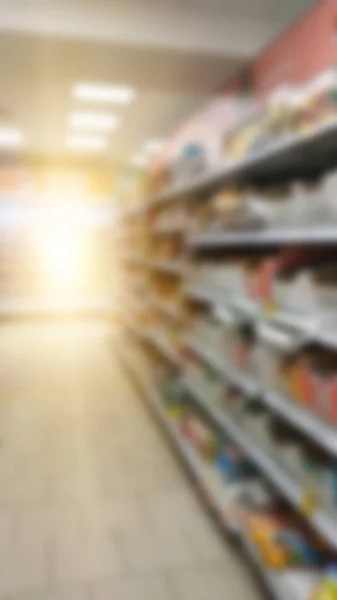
[[332, 417], [308, 387], [265, 280]]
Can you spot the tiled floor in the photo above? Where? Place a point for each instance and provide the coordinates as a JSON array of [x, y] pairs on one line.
[[93, 505]]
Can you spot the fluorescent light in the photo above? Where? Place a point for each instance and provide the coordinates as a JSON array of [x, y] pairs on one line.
[[94, 121], [86, 143], [153, 146], [104, 93], [10, 137]]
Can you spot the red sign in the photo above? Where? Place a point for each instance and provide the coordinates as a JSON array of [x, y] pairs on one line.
[[309, 48]]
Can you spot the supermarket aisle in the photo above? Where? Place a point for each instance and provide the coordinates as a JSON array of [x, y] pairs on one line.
[[92, 504]]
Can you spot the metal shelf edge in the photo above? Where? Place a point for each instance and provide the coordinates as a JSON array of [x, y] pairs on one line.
[[321, 520]]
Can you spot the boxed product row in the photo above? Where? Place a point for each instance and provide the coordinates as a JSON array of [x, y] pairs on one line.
[[300, 281], [279, 535], [297, 205], [167, 248], [306, 463], [302, 371], [226, 458], [289, 111], [169, 217], [283, 541]]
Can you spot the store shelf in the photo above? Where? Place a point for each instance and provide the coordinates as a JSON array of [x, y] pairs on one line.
[[175, 267], [307, 422], [284, 585], [328, 337], [303, 153], [322, 235], [169, 229], [170, 310], [131, 326], [200, 292], [247, 385], [190, 457], [291, 584], [298, 153], [245, 308], [321, 520], [163, 345], [318, 327]]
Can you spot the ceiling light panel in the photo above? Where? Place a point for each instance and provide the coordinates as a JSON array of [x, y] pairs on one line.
[[86, 143], [10, 137], [105, 94], [93, 121]]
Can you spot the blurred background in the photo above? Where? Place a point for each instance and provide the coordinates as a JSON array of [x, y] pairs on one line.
[[168, 235], [91, 92]]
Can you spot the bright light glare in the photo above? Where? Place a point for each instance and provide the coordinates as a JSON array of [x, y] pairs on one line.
[[10, 137], [86, 143], [60, 245], [93, 121], [104, 93], [62, 259]]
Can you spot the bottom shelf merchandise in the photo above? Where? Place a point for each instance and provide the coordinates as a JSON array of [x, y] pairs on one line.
[[303, 461], [290, 556]]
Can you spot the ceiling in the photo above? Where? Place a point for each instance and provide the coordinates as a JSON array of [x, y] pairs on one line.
[[175, 53]]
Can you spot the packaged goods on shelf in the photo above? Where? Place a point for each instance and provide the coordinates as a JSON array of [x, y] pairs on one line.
[[326, 588], [201, 437], [233, 212], [303, 461], [284, 542], [247, 373], [255, 419], [233, 464], [297, 205], [173, 393], [170, 220], [290, 111], [191, 161], [319, 104], [307, 279]]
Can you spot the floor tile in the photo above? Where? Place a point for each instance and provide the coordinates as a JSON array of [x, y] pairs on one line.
[[145, 588], [210, 582], [77, 557], [93, 504], [62, 593]]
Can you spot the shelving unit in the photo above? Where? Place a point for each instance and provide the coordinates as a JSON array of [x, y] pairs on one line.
[[173, 267], [290, 489], [200, 471], [173, 342], [297, 155], [277, 237], [295, 584]]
